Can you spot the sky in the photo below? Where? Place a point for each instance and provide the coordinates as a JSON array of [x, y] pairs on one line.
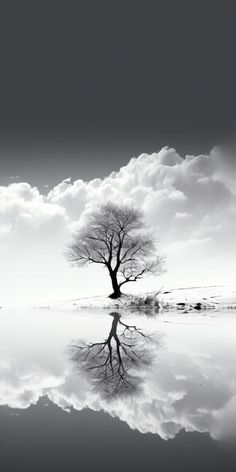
[[86, 87]]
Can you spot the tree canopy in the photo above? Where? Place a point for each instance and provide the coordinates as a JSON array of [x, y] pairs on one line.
[[116, 237]]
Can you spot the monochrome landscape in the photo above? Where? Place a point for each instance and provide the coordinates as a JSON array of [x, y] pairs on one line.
[[117, 237]]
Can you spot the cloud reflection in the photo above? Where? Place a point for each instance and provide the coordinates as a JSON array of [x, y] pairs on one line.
[[189, 382]]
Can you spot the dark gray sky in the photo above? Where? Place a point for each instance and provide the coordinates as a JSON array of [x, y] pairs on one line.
[[85, 85]]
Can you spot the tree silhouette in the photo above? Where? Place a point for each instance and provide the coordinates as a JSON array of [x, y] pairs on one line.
[[115, 236], [113, 366]]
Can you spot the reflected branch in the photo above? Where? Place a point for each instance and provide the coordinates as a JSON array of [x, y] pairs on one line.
[[114, 366]]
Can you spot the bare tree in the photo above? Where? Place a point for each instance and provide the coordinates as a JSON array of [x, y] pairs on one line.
[[116, 237], [113, 365]]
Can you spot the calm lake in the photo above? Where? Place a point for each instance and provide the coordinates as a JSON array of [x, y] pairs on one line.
[[117, 391]]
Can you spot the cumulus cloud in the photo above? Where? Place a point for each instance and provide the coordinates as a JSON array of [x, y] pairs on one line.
[[190, 202]]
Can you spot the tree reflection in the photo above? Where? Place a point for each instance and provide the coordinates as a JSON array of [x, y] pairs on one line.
[[114, 366]]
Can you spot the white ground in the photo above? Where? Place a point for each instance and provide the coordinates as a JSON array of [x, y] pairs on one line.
[[183, 299]]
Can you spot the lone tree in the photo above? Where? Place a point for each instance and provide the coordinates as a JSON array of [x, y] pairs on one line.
[[116, 237]]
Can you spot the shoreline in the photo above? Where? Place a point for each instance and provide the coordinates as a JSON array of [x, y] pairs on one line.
[[183, 300]]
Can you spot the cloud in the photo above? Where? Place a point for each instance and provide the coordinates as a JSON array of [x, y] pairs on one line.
[[167, 187], [182, 215], [189, 202]]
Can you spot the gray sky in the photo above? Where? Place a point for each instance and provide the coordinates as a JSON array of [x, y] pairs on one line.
[[87, 85]]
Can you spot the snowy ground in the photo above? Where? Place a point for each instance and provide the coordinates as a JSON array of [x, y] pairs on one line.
[[196, 298], [182, 299]]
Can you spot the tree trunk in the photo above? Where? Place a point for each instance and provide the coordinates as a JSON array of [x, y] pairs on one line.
[[116, 289]]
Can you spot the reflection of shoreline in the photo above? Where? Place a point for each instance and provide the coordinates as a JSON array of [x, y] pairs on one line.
[[112, 366]]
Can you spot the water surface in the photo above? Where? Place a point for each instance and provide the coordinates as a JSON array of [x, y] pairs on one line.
[[100, 390]]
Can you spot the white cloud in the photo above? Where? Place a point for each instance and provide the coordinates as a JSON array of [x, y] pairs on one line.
[[183, 215], [186, 201]]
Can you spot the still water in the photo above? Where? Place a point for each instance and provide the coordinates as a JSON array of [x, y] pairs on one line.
[[117, 391]]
